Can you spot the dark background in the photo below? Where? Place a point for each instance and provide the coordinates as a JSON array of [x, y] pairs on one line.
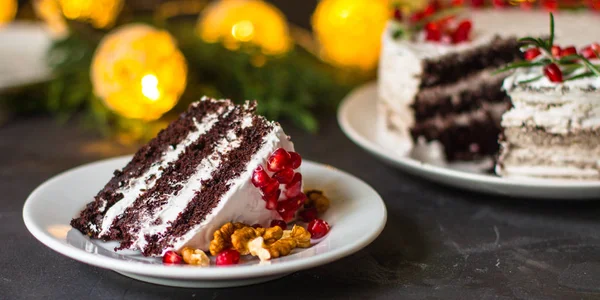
[[439, 242]]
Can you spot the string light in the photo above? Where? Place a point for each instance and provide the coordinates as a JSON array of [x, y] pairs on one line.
[[139, 72]]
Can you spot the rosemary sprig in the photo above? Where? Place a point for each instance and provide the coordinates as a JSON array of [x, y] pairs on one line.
[[530, 80], [569, 64]]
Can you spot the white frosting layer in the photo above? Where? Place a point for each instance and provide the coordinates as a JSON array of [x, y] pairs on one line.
[[136, 186]]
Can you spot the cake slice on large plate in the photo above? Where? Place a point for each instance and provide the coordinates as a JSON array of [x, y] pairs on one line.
[[218, 163], [553, 129]]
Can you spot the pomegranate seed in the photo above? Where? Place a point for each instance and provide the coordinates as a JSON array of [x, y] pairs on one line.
[[457, 2], [568, 51], [172, 258], [294, 188], [260, 178], [288, 208], [279, 223], [278, 160], [477, 3], [526, 5], [550, 5], [556, 50], [416, 17], [272, 199], [532, 53], [256, 226], [308, 214], [284, 176], [228, 257], [433, 32], [270, 187], [499, 3], [588, 52], [318, 228], [397, 14], [296, 160], [431, 8], [462, 32], [553, 73]]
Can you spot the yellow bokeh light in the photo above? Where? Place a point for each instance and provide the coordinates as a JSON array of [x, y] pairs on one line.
[[139, 72], [349, 31], [150, 87], [8, 10], [234, 22], [99, 13]]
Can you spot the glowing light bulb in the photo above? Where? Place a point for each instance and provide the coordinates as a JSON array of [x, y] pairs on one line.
[[150, 87], [243, 31]]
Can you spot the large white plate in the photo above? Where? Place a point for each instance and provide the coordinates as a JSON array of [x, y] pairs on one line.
[[49, 209], [357, 116], [23, 47]]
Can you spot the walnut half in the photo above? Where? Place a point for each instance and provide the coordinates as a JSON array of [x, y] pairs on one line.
[[222, 237], [195, 257], [298, 237]]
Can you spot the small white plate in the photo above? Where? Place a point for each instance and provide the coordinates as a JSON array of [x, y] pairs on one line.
[[357, 116], [23, 47], [357, 216]]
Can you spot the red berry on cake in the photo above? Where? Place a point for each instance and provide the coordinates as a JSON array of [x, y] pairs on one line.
[[271, 186], [272, 199], [260, 178], [433, 32], [556, 51], [570, 50], [279, 223], [172, 258], [499, 3], [318, 228], [477, 3], [591, 51], [228, 257], [296, 160], [284, 176], [398, 14], [462, 32], [553, 72], [550, 5], [532, 53], [278, 160], [294, 188]]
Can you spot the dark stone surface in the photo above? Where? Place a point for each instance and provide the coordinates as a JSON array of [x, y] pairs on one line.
[[439, 243]]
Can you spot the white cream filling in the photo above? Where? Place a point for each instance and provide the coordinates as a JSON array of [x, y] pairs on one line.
[[177, 203], [138, 185], [243, 202]]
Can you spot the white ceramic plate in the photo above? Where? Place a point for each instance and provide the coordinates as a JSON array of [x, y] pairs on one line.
[[23, 47], [357, 116], [49, 209]]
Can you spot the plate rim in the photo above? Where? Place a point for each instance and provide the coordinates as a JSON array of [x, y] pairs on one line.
[[192, 273], [433, 170]]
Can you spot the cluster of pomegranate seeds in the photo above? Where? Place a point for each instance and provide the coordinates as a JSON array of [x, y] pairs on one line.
[[318, 228], [282, 163], [279, 223], [444, 32], [172, 258], [228, 257]]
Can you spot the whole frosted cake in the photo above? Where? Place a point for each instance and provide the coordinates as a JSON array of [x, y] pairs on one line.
[[553, 128], [442, 96]]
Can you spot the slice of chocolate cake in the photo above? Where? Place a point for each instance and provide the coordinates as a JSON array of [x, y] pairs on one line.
[[211, 166]]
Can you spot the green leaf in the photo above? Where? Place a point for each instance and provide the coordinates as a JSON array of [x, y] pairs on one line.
[[551, 40], [590, 66], [520, 64], [530, 80], [582, 75]]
